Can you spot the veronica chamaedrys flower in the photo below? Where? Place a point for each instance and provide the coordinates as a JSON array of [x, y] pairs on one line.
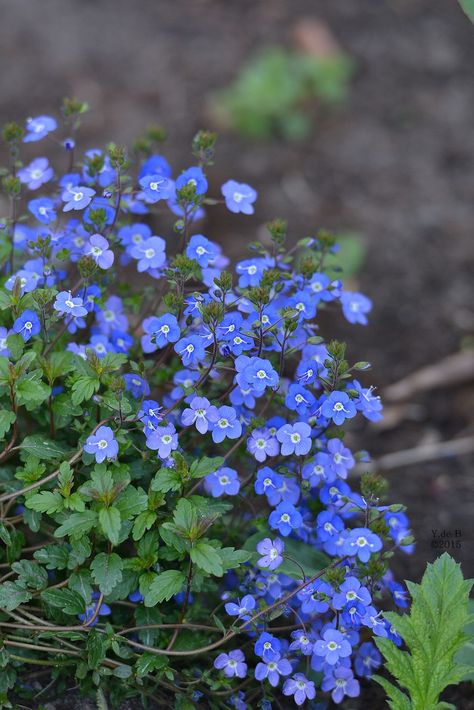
[[255, 373], [104, 610], [223, 481], [332, 646], [355, 306], [239, 197], [77, 198], [201, 250], [191, 349], [159, 331], [155, 188], [27, 325], [272, 670], [369, 404], [38, 127], [201, 413], [351, 590], [241, 608], [300, 688], [226, 425], [367, 660], [102, 444], [338, 407], [285, 518], [36, 173], [342, 682], [192, 177], [272, 553], [65, 303], [136, 385], [232, 663], [262, 444], [362, 542], [295, 439], [150, 253], [163, 439], [98, 248], [299, 399], [43, 209]]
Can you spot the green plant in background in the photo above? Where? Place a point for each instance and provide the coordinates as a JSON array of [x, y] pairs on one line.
[[434, 632], [270, 94], [468, 7]]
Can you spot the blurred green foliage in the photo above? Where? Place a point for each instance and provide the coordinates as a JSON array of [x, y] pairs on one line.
[[270, 95], [468, 7]]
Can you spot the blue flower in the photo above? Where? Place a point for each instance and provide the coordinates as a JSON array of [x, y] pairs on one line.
[[149, 253], [77, 198], [338, 407], [350, 591], [42, 209], [316, 597], [267, 647], [332, 646], [223, 481], [201, 413], [319, 288], [340, 456], [163, 439], [300, 688], [27, 325], [104, 610], [155, 188], [239, 197], [201, 250], [159, 332], [38, 127], [98, 248], [342, 682], [262, 444], [367, 403], [295, 439], [226, 425], [272, 670], [285, 518], [362, 542], [242, 608], [101, 345], [271, 551], [251, 271], [328, 525], [191, 350], [136, 385], [195, 177], [232, 663], [374, 620], [367, 660], [355, 306], [65, 303], [36, 173], [136, 597], [299, 399], [319, 470], [255, 373], [4, 351], [267, 480], [102, 444], [155, 165], [150, 413], [399, 594]]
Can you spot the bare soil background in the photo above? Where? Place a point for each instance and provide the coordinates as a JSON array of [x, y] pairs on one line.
[[396, 164]]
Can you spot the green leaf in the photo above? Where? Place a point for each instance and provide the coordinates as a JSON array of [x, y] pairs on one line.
[[5, 534], [7, 417], [31, 391], [207, 558], [468, 7], [30, 574], [164, 586], [122, 671], [52, 556], [232, 558], [42, 448], [433, 633], [110, 522], [16, 345], [185, 516], [465, 656], [84, 388], [12, 595], [167, 479], [149, 662], [107, 571], [131, 502], [77, 524], [96, 645], [68, 600], [45, 502], [205, 466], [81, 582], [143, 522]]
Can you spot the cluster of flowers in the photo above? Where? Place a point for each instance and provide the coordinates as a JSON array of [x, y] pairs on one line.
[[247, 365]]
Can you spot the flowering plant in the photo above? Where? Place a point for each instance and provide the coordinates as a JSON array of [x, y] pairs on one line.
[[176, 511]]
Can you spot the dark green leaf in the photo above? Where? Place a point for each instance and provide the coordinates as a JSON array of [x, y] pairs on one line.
[[164, 586], [110, 522], [107, 571], [205, 466], [77, 524], [207, 558], [12, 595]]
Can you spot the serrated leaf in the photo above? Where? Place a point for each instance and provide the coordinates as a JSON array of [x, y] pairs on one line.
[[30, 574], [81, 582], [52, 556], [232, 558], [149, 662], [68, 600], [45, 502], [110, 522], [167, 479], [143, 522], [84, 388], [77, 524], [207, 558], [107, 571], [164, 586], [96, 645], [42, 448], [12, 595], [7, 417], [205, 466], [31, 391], [4, 534]]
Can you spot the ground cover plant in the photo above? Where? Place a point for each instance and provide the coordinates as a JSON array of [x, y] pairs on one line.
[[176, 509]]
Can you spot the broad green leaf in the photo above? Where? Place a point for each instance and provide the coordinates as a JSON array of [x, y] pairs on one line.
[[5, 534], [433, 633], [468, 7], [81, 582], [68, 600], [96, 645], [42, 448], [12, 595], [7, 417], [107, 571], [110, 522], [207, 558], [52, 556], [84, 388], [31, 391], [164, 586], [465, 656], [131, 502], [149, 662], [30, 574], [45, 502], [232, 558], [167, 479], [205, 466], [185, 516], [143, 522], [122, 671], [77, 524]]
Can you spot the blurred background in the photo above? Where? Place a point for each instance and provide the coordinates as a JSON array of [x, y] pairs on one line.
[[355, 116]]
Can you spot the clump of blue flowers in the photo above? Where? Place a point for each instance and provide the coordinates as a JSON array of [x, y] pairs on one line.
[[177, 506]]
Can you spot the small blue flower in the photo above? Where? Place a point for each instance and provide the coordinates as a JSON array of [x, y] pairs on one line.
[[338, 407], [342, 682], [223, 481], [201, 250], [262, 444], [4, 333], [191, 350], [242, 608], [159, 332], [226, 425], [367, 660], [239, 197], [42, 209], [155, 188], [300, 688], [285, 518], [351, 590], [66, 303], [163, 439], [272, 670], [251, 271], [340, 456], [98, 248], [232, 663], [267, 647], [77, 198], [255, 373], [355, 306], [102, 444], [195, 177], [328, 525], [332, 647], [39, 127], [104, 610], [362, 543], [295, 439], [36, 173], [201, 413], [271, 551], [374, 620], [150, 253], [367, 403], [27, 325], [136, 385], [299, 399]]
